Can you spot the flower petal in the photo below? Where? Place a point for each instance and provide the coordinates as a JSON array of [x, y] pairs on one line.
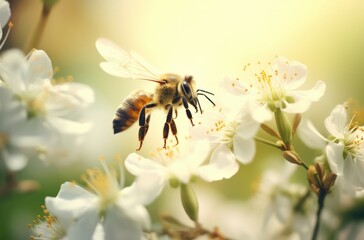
[[77, 94], [293, 73], [181, 170], [353, 172], [234, 86], [4, 13], [85, 226], [335, 123], [244, 149], [248, 127], [99, 232], [119, 224], [304, 98], [145, 188], [222, 165], [196, 153], [40, 67], [299, 106], [68, 126], [310, 135], [334, 153], [314, 94], [260, 113], [137, 165], [72, 201], [13, 68]]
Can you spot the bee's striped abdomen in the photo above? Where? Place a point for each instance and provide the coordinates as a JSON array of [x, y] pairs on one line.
[[128, 111]]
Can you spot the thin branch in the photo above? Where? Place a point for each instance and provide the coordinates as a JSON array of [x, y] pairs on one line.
[[321, 198], [10, 184], [267, 142], [38, 33]]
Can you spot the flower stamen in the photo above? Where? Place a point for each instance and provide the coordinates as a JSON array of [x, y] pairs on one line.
[[10, 26], [47, 227], [103, 183]]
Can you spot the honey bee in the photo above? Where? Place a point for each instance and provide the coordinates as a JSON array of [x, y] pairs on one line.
[[171, 92]]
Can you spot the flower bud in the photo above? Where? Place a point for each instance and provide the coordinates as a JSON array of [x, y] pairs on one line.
[[189, 202], [320, 170], [284, 127], [292, 157], [313, 179], [320, 180], [329, 180], [280, 144]]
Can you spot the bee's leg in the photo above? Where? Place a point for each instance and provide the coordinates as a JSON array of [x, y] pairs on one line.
[[144, 124], [141, 135], [174, 130], [147, 125], [188, 112], [167, 125], [176, 100]]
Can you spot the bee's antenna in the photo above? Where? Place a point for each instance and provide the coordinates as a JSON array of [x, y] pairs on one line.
[[199, 105], [204, 91], [206, 97]]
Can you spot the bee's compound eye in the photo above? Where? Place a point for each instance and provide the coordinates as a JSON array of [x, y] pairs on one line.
[[186, 89]]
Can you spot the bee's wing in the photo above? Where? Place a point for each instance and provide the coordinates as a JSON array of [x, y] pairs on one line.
[[120, 63]]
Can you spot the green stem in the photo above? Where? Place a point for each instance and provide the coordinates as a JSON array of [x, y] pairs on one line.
[[321, 198], [303, 164], [34, 42], [267, 142]]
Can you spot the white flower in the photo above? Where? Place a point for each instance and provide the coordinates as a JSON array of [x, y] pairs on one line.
[[54, 105], [231, 134], [14, 144], [345, 151], [61, 149], [275, 87], [175, 165], [118, 210], [291, 204], [49, 227], [344, 148], [51, 112], [4, 18]]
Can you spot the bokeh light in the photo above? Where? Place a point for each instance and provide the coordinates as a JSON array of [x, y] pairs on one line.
[[208, 39]]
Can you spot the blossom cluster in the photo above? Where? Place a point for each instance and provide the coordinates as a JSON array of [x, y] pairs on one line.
[[40, 116], [223, 138]]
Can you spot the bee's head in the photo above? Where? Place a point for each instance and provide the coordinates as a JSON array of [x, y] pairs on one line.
[[189, 92]]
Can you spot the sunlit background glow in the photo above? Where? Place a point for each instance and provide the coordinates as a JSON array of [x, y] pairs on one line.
[[208, 39]]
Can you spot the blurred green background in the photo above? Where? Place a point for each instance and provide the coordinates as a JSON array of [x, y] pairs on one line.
[[208, 39]]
